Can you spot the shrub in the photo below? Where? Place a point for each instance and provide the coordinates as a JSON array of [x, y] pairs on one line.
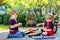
[[1, 19], [21, 18], [41, 18], [6, 19]]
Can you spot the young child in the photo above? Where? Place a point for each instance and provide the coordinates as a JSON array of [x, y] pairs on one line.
[[49, 25], [13, 26]]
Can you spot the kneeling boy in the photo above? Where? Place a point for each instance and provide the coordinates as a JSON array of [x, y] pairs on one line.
[[13, 26]]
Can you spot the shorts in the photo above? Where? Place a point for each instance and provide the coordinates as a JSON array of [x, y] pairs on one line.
[[50, 33]]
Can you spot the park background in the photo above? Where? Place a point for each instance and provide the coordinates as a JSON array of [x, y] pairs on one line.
[[37, 9]]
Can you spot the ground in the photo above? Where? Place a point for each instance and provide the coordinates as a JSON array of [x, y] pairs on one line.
[[3, 35]]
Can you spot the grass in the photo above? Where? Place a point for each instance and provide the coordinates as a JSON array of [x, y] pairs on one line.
[[3, 27]]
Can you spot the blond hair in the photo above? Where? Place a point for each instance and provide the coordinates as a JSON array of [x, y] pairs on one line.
[[49, 16]]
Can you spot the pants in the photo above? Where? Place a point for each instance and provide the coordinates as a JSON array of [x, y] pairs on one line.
[[17, 35]]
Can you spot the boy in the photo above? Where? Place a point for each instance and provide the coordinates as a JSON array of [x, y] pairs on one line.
[[13, 26], [49, 30]]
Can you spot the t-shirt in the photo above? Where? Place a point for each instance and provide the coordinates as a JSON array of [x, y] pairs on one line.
[[13, 30], [50, 25]]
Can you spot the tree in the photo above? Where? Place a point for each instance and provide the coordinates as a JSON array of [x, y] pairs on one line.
[[36, 4]]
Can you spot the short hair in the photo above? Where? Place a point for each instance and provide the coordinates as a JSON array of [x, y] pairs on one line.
[[12, 12], [49, 15]]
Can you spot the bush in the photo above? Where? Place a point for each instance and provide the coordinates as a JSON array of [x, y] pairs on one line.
[[41, 18], [21, 18], [1, 19], [6, 19]]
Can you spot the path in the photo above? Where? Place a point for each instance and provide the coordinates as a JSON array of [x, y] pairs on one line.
[[3, 35]]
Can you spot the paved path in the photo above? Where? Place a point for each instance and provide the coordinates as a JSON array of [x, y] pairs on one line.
[[3, 35]]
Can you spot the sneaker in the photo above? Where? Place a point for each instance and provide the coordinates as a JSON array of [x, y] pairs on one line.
[[8, 36]]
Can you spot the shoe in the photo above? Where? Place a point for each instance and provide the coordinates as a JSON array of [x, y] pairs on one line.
[[8, 36]]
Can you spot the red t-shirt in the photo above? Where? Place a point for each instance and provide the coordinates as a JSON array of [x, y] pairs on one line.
[[50, 25]]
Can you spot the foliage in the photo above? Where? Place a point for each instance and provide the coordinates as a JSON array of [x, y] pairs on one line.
[[6, 19], [36, 4], [30, 16], [31, 3], [41, 19], [21, 18], [0, 19], [23, 5]]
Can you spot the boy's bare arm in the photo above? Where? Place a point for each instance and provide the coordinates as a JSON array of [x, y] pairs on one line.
[[40, 24], [16, 25]]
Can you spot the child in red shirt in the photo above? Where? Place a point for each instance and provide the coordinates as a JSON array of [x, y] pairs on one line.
[[49, 25]]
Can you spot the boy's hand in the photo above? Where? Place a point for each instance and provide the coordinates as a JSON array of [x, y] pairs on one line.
[[20, 24], [37, 25], [40, 24], [45, 29], [16, 25]]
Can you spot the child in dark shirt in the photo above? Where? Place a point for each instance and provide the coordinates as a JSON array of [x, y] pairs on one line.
[[13, 26], [49, 25]]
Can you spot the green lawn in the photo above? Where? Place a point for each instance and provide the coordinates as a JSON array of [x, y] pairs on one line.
[[3, 27]]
